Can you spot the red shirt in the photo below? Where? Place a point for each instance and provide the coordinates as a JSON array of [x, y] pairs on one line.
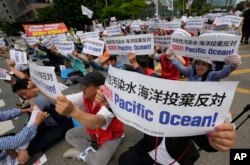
[[114, 130]]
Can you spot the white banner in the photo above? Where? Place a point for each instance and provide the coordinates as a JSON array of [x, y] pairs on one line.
[[89, 35], [86, 11], [113, 30], [212, 48], [228, 20], [140, 44], [65, 47], [4, 74], [166, 108], [195, 23], [172, 25], [93, 47], [164, 41], [31, 40], [18, 56], [45, 79]]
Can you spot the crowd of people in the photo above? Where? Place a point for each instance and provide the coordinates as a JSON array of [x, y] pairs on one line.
[[101, 134]]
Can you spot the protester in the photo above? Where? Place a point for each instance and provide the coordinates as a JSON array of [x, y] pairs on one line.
[[14, 142], [246, 23], [175, 150], [79, 69], [141, 64], [100, 124], [168, 71], [53, 128]]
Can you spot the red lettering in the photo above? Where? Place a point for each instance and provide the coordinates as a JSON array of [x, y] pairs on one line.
[[108, 93], [177, 47], [112, 47]]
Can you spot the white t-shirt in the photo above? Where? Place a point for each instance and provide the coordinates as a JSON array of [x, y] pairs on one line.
[[163, 156], [77, 100]]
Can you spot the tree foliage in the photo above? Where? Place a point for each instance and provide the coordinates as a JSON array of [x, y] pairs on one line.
[[123, 8], [8, 28]]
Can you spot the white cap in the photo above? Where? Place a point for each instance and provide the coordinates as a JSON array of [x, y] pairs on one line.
[[184, 18], [181, 32]]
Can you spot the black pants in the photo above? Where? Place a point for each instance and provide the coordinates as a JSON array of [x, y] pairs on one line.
[[47, 136], [132, 157]]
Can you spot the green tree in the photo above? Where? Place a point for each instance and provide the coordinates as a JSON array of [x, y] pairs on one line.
[[8, 28], [123, 9]]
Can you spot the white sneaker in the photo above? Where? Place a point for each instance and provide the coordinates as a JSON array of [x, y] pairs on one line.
[[88, 150], [72, 153]]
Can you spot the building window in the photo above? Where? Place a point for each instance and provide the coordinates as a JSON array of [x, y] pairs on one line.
[[7, 11], [4, 5]]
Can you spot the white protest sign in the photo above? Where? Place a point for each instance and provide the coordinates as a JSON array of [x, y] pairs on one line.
[[48, 44], [93, 47], [136, 25], [164, 41], [212, 48], [45, 79], [18, 56], [166, 108], [4, 74], [140, 44], [2, 43], [222, 21], [64, 47], [61, 36], [173, 25], [89, 35], [31, 40], [43, 159], [196, 23], [235, 20], [113, 30]]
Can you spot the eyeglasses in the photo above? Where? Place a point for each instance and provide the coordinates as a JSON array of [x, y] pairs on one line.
[[83, 87]]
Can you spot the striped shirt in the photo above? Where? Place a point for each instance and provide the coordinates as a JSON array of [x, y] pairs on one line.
[[24, 136]]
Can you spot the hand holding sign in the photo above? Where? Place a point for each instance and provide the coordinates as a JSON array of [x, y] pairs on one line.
[[23, 156], [234, 59], [10, 63], [100, 98], [64, 106], [223, 138]]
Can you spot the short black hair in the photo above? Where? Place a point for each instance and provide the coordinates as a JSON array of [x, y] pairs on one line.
[[20, 84], [143, 60]]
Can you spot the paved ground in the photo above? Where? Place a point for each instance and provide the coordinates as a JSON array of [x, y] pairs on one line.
[[241, 99]]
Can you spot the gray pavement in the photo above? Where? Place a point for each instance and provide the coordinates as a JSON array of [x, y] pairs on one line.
[[241, 99]]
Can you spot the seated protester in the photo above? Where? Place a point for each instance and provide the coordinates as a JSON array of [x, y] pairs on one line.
[[202, 69], [140, 64], [53, 128], [20, 71], [101, 127], [79, 69], [175, 150], [86, 58], [11, 144], [168, 70], [105, 60]]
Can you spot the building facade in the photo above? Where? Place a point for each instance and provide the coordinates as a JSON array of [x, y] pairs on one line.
[[21, 10]]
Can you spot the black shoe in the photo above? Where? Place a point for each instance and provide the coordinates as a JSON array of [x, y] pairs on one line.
[[246, 42]]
